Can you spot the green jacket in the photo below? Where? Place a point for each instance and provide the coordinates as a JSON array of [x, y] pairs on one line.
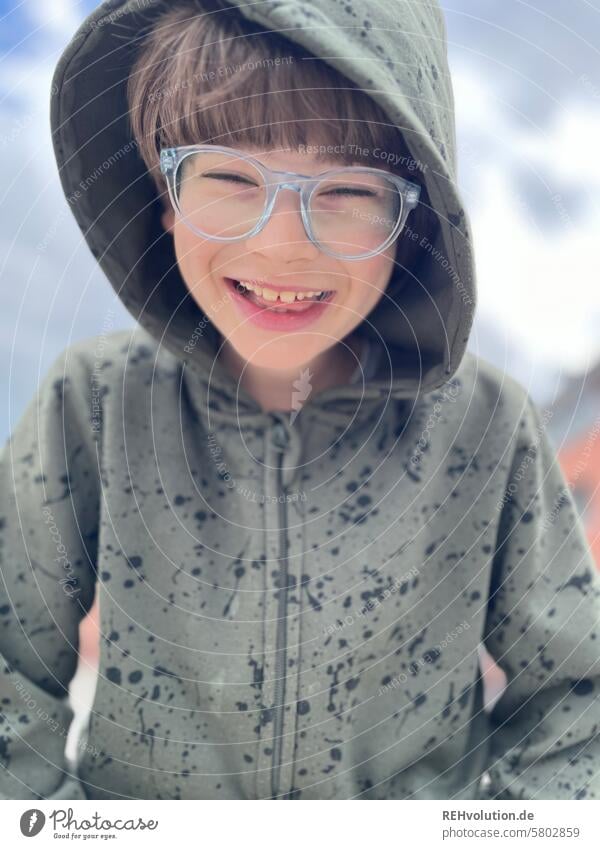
[[288, 609]]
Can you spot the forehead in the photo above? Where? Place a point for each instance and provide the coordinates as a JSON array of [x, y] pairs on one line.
[[306, 159]]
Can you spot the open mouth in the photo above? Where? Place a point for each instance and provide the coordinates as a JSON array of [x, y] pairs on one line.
[[300, 303]]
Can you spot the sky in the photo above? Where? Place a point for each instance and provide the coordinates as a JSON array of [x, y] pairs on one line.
[[527, 93]]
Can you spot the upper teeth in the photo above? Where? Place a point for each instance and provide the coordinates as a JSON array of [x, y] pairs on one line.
[[272, 295]]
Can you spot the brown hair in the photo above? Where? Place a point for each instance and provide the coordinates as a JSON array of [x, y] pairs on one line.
[[203, 75]]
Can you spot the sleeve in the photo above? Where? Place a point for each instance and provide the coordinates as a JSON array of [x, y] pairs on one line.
[[48, 534], [543, 629]]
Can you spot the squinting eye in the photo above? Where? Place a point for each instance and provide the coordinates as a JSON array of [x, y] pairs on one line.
[[348, 190], [232, 178]]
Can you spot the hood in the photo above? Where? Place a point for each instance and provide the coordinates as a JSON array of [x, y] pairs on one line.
[[399, 55]]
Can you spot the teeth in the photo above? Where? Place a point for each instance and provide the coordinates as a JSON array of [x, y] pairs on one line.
[[272, 295]]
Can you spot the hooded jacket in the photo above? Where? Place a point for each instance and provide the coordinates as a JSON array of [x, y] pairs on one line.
[[288, 609]]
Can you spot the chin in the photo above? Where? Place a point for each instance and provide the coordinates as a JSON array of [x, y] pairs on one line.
[[281, 354]]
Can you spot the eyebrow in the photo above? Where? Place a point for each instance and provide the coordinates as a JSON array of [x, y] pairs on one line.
[[318, 155]]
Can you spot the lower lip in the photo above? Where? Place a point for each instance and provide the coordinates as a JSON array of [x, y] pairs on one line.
[[271, 319]]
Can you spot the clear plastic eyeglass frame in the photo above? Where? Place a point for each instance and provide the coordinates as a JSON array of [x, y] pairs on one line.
[[172, 157]]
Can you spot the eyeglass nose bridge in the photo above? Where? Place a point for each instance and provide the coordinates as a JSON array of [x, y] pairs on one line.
[[293, 184], [302, 186]]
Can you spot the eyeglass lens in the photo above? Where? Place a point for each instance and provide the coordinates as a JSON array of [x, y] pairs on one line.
[[221, 194]]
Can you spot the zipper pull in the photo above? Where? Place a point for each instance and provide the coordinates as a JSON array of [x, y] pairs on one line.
[[280, 437]]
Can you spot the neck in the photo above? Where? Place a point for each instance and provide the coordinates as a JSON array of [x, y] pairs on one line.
[[274, 389]]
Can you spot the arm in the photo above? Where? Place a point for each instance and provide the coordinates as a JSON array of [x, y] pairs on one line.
[[49, 499], [543, 629]]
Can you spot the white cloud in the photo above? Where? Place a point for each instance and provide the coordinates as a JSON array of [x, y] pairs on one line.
[[570, 147], [542, 287], [59, 16], [538, 282]]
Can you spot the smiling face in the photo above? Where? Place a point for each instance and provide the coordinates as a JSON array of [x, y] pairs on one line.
[[281, 256]]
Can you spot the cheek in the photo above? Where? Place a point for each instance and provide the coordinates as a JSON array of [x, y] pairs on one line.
[[371, 280], [186, 248], [383, 270], [193, 256]]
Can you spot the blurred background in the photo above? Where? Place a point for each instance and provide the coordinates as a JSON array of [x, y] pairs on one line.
[[527, 91]]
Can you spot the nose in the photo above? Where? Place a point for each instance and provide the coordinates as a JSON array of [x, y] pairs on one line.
[[283, 236]]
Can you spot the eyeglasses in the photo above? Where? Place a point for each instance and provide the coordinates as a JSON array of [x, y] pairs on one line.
[[349, 212]]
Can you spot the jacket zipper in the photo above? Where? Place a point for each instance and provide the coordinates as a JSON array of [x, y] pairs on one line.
[[280, 648]]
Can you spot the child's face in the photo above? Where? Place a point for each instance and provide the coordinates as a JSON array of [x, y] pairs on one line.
[[282, 254]]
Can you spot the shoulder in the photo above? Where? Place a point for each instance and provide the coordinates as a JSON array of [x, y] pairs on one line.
[[484, 385], [94, 378], [484, 407], [126, 354]]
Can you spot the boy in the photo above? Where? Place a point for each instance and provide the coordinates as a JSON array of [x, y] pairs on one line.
[[302, 519]]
